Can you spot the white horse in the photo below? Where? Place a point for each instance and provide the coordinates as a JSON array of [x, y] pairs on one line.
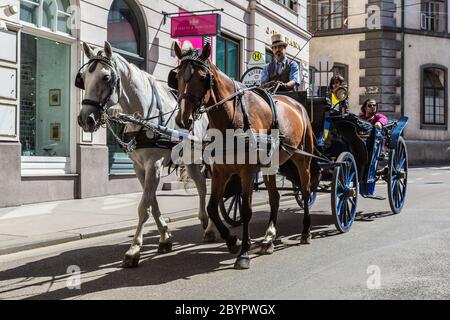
[[109, 80]]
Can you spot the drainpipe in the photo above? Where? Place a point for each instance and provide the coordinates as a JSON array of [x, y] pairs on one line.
[[402, 70]]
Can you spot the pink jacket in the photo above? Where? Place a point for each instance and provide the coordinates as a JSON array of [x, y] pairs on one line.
[[378, 117]]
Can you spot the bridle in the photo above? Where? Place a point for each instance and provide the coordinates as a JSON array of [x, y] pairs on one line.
[[196, 100], [114, 83]]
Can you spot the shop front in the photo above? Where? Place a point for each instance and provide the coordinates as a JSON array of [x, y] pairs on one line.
[[44, 155]]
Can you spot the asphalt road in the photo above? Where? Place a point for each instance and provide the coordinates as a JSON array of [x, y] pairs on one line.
[[384, 256]]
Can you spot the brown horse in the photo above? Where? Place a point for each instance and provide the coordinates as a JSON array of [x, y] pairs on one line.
[[201, 83]]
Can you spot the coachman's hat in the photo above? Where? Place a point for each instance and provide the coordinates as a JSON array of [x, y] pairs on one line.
[[278, 40]]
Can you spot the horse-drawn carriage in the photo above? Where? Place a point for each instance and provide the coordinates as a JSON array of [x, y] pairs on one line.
[[353, 156]]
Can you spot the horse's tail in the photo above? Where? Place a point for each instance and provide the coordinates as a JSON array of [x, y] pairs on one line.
[[184, 177]]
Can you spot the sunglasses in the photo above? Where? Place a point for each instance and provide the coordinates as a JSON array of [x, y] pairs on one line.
[[372, 105]]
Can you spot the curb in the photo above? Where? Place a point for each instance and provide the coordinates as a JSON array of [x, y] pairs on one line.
[[51, 239]]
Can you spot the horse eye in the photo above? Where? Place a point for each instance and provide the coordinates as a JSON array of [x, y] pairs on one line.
[[107, 78]]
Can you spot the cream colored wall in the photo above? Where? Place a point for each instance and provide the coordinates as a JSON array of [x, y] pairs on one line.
[[355, 17], [419, 51], [344, 49]]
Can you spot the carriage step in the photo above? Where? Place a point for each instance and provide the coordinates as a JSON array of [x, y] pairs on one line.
[[374, 197]]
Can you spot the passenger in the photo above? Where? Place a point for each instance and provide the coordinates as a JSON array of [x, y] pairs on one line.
[[369, 113], [336, 82]]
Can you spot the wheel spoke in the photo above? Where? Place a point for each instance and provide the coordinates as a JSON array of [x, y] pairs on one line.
[[353, 203], [340, 186], [236, 206], [233, 199], [339, 206], [401, 192], [347, 213], [397, 195], [342, 175], [231, 205], [402, 163]]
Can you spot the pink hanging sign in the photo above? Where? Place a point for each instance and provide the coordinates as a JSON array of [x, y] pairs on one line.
[[195, 25]]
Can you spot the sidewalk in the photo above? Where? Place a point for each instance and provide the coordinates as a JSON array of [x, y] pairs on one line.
[[44, 224]]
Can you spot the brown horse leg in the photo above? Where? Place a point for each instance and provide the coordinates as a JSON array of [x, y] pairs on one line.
[[303, 167], [218, 183], [243, 260], [267, 246]]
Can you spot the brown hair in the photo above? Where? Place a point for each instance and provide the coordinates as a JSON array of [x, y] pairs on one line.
[[337, 77]]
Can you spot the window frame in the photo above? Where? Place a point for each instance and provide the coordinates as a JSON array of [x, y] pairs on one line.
[[424, 125], [287, 4], [238, 64], [40, 15], [314, 16], [442, 16], [269, 52], [43, 165]]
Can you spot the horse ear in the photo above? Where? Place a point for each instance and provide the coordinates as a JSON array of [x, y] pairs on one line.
[[87, 50], [177, 49], [206, 52], [108, 50]]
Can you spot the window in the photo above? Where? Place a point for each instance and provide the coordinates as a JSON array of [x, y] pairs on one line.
[[288, 3], [433, 16], [269, 56], [126, 33], [227, 57], [44, 97], [326, 14], [50, 14], [434, 95], [341, 69]]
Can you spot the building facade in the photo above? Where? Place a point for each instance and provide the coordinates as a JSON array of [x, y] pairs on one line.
[[44, 156], [395, 51]]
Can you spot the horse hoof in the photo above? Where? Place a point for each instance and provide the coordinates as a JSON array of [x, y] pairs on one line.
[[306, 239], [242, 263], [165, 247], [131, 261], [234, 246], [209, 237], [266, 248]]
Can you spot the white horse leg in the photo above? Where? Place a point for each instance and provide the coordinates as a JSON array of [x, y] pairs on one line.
[[152, 179], [131, 259], [194, 171]]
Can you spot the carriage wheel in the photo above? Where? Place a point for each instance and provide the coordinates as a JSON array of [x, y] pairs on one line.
[[298, 198], [230, 208], [344, 192], [398, 176]]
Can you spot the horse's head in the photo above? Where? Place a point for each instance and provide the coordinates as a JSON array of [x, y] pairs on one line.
[[194, 81], [100, 80]]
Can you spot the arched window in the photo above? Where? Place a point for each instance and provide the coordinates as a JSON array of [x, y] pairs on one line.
[[128, 37], [126, 31], [434, 95]]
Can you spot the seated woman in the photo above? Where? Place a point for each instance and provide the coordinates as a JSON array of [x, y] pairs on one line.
[[369, 113], [336, 82]]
